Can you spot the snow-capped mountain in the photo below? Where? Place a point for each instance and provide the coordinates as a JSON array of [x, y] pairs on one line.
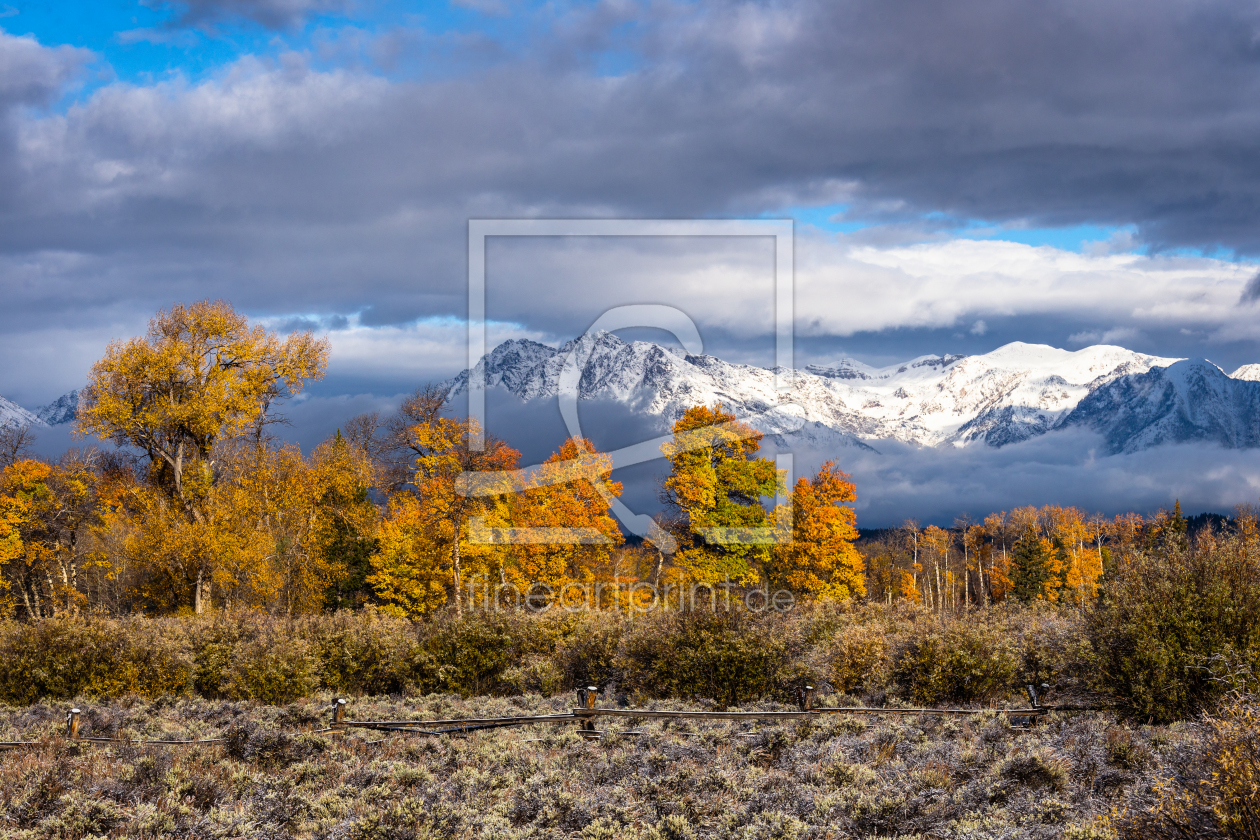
[[12, 414], [1189, 400], [1011, 394], [61, 410]]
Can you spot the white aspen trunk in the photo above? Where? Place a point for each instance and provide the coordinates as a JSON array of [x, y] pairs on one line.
[[984, 593], [455, 572], [937, 601], [52, 594]]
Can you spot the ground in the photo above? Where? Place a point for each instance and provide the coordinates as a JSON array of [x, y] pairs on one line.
[[839, 776]]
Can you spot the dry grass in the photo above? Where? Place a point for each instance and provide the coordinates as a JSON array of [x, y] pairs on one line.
[[831, 778]]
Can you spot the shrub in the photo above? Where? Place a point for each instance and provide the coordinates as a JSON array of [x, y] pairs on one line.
[[247, 741], [727, 657], [1168, 614], [730, 657], [466, 655], [213, 641], [964, 661], [859, 658], [587, 654], [68, 657], [273, 668], [1034, 771], [1213, 789], [364, 653]]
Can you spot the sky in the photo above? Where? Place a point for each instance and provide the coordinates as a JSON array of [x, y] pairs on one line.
[[960, 175]]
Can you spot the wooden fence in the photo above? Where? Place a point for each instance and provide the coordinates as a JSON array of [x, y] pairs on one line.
[[584, 715]]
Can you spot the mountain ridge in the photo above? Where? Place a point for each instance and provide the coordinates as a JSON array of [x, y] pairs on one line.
[[1011, 394]]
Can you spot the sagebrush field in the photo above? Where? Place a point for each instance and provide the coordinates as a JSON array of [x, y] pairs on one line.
[[1076, 776], [264, 684]]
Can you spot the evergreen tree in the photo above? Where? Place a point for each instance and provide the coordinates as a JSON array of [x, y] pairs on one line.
[[1175, 531], [1030, 567]]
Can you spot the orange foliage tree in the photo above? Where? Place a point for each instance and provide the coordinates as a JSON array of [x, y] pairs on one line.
[[426, 539], [199, 377], [561, 494], [820, 561]]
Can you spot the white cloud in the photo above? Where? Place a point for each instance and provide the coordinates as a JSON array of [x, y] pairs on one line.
[[1117, 335], [843, 290], [427, 350]]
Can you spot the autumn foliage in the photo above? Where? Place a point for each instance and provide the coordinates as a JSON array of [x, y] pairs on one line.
[[423, 515]]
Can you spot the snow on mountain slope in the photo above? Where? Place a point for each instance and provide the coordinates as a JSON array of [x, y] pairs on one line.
[[1250, 373], [61, 410], [1011, 394], [12, 414], [1191, 400]]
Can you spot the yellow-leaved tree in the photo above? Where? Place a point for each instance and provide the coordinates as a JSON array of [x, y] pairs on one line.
[[821, 561], [716, 484], [47, 512], [200, 377], [561, 494], [424, 543]]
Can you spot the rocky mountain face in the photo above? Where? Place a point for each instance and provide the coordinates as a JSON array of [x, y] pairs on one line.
[[12, 414], [1012, 394], [61, 410], [1190, 400]]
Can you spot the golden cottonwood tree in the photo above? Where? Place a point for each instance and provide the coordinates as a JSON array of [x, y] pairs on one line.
[[275, 523], [428, 536], [561, 495], [46, 515], [821, 561], [200, 376], [717, 484], [345, 519], [410, 573]]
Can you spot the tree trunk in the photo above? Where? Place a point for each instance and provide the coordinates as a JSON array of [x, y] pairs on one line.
[[984, 594], [938, 602], [455, 572], [32, 610], [201, 592]]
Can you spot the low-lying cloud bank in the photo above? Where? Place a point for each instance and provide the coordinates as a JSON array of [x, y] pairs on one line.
[[1064, 467], [898, 481], [895, 481]]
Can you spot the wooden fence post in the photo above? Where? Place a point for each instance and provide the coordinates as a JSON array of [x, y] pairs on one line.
[[72, 724], [805, 698], [586, 699], [339, 716]]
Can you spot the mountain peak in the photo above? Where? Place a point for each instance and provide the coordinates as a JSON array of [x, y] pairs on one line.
[[62, 410], [1013, 393], [1249, 373], [12, 414]]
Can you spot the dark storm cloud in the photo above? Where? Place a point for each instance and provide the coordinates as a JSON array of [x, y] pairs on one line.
[[298, 192], [1251, 292]]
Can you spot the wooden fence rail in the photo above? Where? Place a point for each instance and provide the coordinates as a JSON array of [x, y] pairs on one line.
[[584, 715]]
